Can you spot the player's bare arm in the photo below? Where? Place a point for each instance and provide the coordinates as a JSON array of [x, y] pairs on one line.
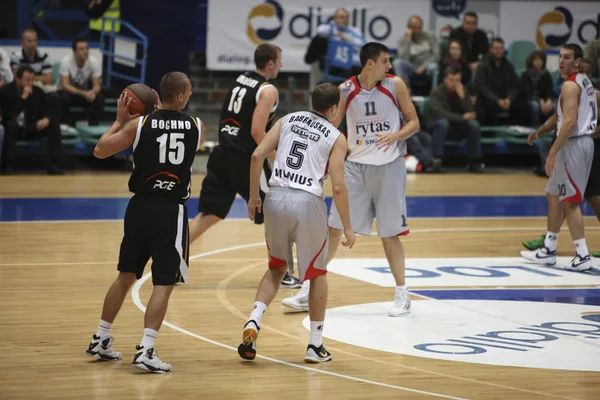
[[260, 117], [407, 108], [596, 133], [266, 147], [548, 126], [340, 192], [116, 139], [570, 94]]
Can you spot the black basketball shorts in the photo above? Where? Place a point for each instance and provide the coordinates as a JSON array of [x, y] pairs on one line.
[[156, 227], [228, 174], [593, 184]]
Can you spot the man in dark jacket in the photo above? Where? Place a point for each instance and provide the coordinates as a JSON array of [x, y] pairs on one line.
[[475, 40], [26, 114], [497, 87], [450, 110]]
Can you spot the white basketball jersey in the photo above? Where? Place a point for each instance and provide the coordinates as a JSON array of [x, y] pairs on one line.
[[587, 112], [369, 113], [302, 161]]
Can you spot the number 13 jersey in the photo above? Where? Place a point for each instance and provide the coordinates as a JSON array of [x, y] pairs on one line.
[[369, 113], [302, 160]]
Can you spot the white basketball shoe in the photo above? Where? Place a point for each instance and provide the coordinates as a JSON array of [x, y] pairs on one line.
[[401, 304], [300, 300], [579, 264], [101, 349], [147, 359], [542, 256]]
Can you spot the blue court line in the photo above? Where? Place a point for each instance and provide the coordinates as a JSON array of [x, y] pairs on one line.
[[571, 296], [53, 209]]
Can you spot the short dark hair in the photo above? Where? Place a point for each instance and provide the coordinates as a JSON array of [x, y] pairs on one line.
[[22, 69], [532, 56], [76, 41], [452, 70], [415, 17], [471, 14], [576, 49], [325, 96], [371, 51], [497, 39], [172, 84], [264, 53], [28, 30], [586, 60]]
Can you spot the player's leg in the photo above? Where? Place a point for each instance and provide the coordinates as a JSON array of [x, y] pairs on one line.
[[579, 154], [387, 184], [168, 237], [361, 217], [279, 245], [216, 195], [133, 257]]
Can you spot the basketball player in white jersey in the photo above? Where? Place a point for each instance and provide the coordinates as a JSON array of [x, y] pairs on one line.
[[308, 148], [569, 161], [375, 104]]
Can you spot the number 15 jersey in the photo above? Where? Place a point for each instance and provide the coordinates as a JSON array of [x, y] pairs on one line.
[[368, 113], [302, 161]]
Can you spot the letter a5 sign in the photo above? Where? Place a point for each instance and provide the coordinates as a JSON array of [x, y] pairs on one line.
[[339, 54]]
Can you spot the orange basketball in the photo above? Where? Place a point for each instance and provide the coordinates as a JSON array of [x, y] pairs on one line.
[[142, 99]]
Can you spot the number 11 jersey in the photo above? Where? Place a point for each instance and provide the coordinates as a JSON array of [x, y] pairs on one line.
[[302, 160]]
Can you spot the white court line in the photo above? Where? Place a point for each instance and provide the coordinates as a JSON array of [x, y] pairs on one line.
[[135, 294]]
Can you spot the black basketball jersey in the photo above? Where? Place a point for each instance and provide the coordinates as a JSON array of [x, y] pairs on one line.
[[165, 145], [236, 115]]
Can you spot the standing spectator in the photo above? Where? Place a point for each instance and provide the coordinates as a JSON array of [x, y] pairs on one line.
[[31, 56], [450, 110], [339, 28], [475, 40], [591, 51], [80, 77], [535, 89], [26, 116], [418, 51], [497, 86], [456, 57]]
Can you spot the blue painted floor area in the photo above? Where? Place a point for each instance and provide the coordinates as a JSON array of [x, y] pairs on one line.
[[52, 209], [571, 296]]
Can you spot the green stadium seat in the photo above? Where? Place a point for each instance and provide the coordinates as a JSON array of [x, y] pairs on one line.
[[518, 52]]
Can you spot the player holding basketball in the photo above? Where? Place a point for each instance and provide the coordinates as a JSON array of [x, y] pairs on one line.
[[569, 161], [156, 223], [295, 212], [375, 103], [246, 116]]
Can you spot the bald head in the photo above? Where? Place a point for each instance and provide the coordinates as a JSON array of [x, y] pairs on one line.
[[173, 84]]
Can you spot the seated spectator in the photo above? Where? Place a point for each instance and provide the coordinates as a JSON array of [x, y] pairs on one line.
[[26, 115], [591, 51], [420, 145], [587, 68], [80, 77], [6, 74], [339, 28], [451, 114], [535, 89], [497, 87], [455, 57], [475, 40], [31, 56], [418, 51]]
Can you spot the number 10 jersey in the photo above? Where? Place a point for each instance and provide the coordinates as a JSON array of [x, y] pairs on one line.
[[305, 142]]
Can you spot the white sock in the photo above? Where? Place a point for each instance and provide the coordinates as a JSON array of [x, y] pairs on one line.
[[550, 241], [400, 289], [581, 248], [316, 333], [149, 338], [258, 311], [103, 329]]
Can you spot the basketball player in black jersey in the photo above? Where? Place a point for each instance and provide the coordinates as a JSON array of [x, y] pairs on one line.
[[156, 223], [246, 116]]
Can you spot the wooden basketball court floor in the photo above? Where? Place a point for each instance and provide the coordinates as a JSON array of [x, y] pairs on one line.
[[484, 325]]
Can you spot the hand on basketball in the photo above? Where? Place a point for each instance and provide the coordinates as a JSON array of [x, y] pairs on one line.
[[385, 141], [350, 238], [550, 163], [123, 115], [254, 205], [158, 104]]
